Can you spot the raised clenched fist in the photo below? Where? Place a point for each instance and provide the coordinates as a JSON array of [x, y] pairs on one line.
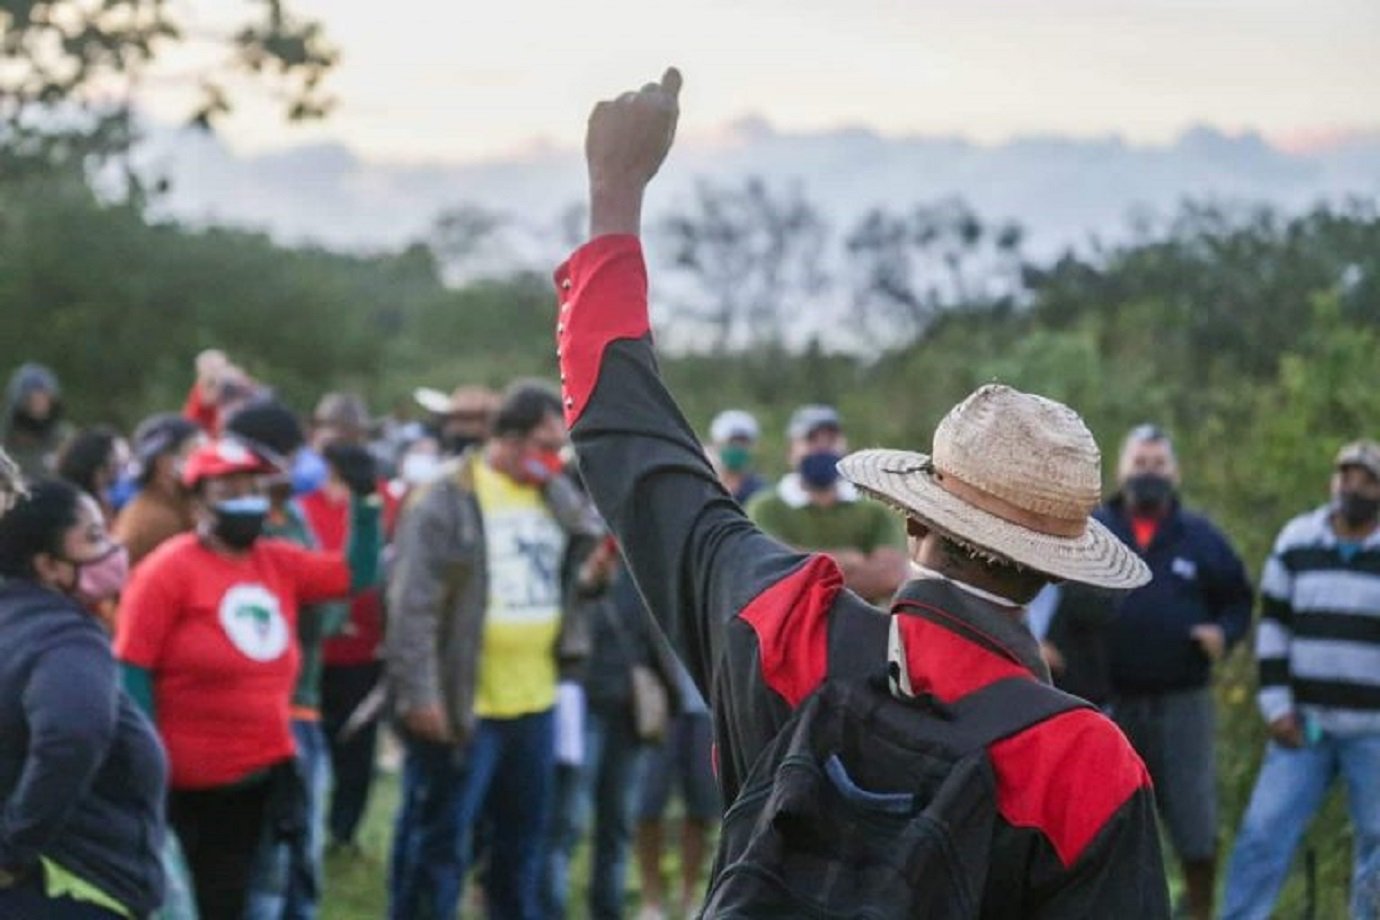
[[626, 142]]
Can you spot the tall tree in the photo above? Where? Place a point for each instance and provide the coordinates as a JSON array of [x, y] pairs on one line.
[[68, 69], [744, 257], [907, 268]]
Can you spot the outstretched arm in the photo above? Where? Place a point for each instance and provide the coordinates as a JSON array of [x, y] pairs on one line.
[[697, 560]]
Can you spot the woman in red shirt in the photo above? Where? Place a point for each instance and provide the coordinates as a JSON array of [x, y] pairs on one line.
[[206, 634]]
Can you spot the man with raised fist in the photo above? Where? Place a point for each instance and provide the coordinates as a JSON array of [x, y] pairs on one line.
[[916, 764]]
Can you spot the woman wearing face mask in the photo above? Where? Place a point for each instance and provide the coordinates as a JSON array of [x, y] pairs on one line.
[[206, 634], [82, 775]]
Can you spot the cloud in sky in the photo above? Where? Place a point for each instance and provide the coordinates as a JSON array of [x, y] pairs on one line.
[[442, 80]]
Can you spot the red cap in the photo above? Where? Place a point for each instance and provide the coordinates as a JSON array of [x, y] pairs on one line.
[[225, 457]]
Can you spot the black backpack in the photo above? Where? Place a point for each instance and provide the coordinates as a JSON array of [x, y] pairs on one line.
[[869, 806]]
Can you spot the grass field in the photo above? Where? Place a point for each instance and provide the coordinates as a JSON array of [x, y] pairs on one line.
[[356, 884]]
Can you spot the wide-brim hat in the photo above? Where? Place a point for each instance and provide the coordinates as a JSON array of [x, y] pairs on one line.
[[464, 400], [1013, 476]]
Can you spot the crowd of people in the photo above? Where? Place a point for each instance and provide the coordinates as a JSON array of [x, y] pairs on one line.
[[565, 604]]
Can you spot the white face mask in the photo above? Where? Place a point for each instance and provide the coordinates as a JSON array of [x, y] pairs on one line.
[[419, 469]]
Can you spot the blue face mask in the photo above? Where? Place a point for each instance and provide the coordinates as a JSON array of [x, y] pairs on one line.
[[245, 504], [309, 472], [820, 470]]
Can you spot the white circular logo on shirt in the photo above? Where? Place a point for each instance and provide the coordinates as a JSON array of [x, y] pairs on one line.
[[253, 622]]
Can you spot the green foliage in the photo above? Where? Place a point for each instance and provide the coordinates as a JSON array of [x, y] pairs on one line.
[[65, 62]]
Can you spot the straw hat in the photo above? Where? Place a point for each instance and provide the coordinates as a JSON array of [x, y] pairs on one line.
[[464, 400], [1013, 475]]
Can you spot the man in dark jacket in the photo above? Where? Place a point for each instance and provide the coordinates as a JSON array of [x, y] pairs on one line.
[[1160, 644], [1001, 508]]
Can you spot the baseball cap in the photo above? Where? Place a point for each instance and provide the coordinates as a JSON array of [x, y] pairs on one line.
[[225, 457], [1365, 454], [806, 420], [161, 434], [734, 424]]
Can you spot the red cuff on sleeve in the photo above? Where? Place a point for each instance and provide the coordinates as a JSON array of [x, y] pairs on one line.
[[603, 298]]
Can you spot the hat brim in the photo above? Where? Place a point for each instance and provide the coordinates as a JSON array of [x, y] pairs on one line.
[[903, 480], [433, 401]]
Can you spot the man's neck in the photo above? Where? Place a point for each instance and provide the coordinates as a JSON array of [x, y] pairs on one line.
[[989, 592], [218, 546]]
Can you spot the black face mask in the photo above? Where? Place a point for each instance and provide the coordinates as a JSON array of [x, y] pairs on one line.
[[1357, 509], [32, 425], [238, 523], [1148, 492], [456, 444]]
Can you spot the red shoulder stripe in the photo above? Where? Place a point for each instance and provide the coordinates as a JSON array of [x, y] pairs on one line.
[[791, 619], [1066, 777], [603, 298]]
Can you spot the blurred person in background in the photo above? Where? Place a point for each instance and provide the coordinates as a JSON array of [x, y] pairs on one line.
[[219, 390], [350, 663], [461, 420], [627, 682], [733, 439], [93, 460], [162, 507], [1162, 642], [31, 426], [478, 633], [684, 762], [82, 774], [287, 876], [813, 508], [1318, 649], [206, 637], [339, 417]]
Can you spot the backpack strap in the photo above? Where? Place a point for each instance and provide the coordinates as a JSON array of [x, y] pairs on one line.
[[1005, 708], [858, 637]]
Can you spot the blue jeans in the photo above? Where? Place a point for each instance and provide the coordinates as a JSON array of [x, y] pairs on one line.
[[1288, 792], [509, 766], [607, 780], [288, 876]]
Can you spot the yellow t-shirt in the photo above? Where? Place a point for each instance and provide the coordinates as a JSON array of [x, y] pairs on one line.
[[525, 544]]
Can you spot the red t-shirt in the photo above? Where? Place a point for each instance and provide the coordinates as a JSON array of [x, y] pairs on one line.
[[1145, 528], [358, 642], [197, 409], [218, 635]]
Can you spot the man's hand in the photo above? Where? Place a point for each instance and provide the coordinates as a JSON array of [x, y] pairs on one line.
[[354, 466], [626, 142], [1211, 639], [1287, 731], [597, 570], [428, 723], [1054, 659]]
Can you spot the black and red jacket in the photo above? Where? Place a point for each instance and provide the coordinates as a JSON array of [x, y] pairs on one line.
[[753, 620]]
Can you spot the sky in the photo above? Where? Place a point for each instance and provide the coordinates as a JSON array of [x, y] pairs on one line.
[[470, 80]]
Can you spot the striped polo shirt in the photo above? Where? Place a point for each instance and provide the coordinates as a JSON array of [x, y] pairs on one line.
[[1318, 645]]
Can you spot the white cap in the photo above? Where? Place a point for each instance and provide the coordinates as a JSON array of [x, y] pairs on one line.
[[734, 423]]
